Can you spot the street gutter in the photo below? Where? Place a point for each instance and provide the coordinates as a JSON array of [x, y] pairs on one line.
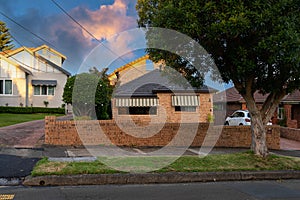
[[151, 178]]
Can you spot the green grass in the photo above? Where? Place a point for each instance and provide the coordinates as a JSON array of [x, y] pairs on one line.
[[246, 161], [7, 119]]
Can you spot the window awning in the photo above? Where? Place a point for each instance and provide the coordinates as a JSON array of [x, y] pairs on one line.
[[136, 102], [185, 100], [44, 82]]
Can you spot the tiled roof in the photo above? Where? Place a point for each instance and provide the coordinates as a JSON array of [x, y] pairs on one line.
[[232, 95], [293, 97], [229, 95], [154, 82]]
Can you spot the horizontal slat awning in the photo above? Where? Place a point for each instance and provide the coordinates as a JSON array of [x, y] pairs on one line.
[[185, 100], [44, 82], [136, 102]]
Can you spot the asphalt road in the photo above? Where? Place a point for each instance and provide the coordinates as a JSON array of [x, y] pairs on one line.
[[250, 190]]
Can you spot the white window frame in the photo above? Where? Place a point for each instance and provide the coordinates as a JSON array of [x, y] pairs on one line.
[[280, 112], [190, 109], [12, 87], [40, 86]]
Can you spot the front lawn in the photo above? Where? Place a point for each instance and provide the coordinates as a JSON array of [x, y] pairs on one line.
[[245, 161], [7, 119]]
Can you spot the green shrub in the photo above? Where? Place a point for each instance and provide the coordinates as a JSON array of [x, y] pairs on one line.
[[29, 110]]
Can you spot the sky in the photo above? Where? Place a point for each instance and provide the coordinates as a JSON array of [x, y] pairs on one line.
[[103, 19], [103, 35]]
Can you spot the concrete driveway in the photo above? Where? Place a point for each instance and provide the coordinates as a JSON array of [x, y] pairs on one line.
[[25, 135]]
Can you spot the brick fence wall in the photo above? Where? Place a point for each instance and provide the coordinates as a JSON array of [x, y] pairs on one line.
[[90, 133], [290, 133]]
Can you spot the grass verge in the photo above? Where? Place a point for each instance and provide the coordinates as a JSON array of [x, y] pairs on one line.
[[7, 119], [245, 161]]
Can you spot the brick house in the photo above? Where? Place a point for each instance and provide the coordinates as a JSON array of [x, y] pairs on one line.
[[153, 97], [230, 100]]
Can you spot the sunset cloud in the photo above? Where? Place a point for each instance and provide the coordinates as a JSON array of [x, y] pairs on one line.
[[104, 22]]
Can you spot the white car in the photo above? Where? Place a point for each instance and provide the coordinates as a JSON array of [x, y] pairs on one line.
[[240, 118]]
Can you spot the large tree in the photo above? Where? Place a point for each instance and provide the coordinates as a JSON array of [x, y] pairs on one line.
[[5, 38], [255, 44]]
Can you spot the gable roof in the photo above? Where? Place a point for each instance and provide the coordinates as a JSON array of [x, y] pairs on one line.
[[16, 65], [129, 65], [9, 53], [50, 49], [31, 50], [54, 65], [155, 82]]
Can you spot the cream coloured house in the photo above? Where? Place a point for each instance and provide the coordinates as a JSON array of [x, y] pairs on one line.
[[30, 76]]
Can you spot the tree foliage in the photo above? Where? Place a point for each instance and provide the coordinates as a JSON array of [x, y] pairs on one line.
[[255, 44], [87, 91], [5, 38]]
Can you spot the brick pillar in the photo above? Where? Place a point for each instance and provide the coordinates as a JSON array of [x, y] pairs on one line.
[[288, 111], [275, 117], [49, 122], [244, 106]]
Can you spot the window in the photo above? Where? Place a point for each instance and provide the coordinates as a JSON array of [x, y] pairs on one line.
[[6, 87], [238, 114], [137, 110], [280, 112], [37, 90], [44, 90], [185, 108], [51, 90]]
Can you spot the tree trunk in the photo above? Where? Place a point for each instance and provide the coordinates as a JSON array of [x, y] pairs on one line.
[[258, 130]]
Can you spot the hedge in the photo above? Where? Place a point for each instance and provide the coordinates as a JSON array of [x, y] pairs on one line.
[[29, 110]]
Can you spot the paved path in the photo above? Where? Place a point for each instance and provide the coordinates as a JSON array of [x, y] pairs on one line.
[[25, 135], [286, 144]]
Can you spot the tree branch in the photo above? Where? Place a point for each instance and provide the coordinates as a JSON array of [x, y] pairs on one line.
[[269, 110]]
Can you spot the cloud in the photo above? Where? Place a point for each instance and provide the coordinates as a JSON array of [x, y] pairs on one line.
[[69, 38], [105, 22]]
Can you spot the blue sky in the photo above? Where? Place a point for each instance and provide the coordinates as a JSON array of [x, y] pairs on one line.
[[102, 18], [110, 21]]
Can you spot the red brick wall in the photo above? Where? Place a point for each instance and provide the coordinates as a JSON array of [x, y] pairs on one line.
[[290, 133], [66, 133], [296, 114], [166, 112]]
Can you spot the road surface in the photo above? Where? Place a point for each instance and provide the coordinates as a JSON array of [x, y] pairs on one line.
[[250, 190]]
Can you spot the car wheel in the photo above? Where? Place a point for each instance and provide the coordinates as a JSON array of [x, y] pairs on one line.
[[226, 124], [241, 124]]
